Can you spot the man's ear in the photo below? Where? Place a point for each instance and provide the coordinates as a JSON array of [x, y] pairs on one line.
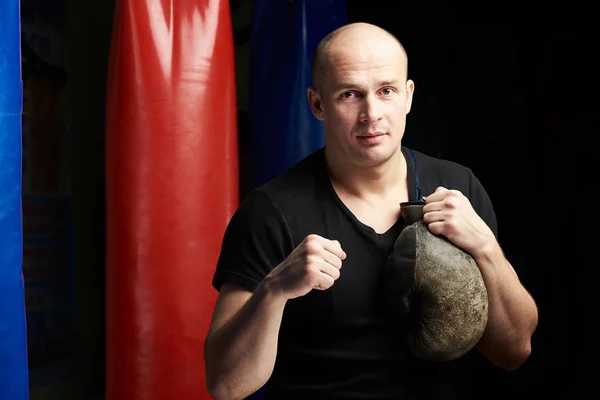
[[316, 104], [410, 90]]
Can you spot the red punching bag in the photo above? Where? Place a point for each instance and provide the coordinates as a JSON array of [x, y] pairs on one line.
[[172, 186]]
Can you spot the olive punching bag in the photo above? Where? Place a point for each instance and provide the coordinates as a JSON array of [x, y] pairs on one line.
[[172, 186], [436, 288]]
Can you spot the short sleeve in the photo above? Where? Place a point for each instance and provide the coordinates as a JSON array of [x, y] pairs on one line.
[[482, 203], [256, 240]]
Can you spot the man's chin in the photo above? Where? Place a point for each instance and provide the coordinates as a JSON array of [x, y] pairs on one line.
[[376, 155]]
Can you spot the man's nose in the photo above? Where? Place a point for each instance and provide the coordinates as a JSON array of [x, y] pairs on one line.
[[372, 110]]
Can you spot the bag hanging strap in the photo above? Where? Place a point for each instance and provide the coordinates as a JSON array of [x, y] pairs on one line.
[[419, 194]]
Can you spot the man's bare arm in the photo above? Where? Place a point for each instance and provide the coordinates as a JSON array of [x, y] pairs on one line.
[[241, 345], [513, 315]]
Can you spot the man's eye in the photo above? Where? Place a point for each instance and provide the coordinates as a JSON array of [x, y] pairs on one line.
[[348, 95], [386, 91]]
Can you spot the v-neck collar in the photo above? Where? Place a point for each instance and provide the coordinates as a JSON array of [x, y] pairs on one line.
[[411, 177]]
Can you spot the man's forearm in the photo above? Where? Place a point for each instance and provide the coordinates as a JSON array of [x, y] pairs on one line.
[[240, 354], [513, 313]]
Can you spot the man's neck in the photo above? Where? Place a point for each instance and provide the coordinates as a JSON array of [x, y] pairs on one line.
[[364, 181]]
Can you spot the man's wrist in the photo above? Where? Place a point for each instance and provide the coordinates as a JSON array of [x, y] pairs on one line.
[[268, 290], [489, 252]]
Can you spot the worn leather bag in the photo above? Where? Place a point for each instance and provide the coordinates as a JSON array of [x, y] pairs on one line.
[[435, 289]]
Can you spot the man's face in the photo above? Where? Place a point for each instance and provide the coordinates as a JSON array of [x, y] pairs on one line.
[[363, 99]]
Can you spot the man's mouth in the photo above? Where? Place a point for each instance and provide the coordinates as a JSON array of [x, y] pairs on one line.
[[371, 138]]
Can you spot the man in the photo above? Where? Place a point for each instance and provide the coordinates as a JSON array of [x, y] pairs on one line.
[[299, 307]]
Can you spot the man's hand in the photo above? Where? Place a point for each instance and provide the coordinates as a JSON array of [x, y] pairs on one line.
[[450, 213], [314, 264]]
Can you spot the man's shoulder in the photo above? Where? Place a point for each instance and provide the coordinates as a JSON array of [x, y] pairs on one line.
[[439, 165], [299, 179], [297, 185], [434, 171], [439, 169]]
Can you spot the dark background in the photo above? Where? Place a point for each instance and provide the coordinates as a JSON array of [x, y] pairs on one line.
[[511, 93]]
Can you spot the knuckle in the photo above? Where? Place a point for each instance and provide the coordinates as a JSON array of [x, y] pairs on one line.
[[322, 281], [327, 282], [308, 240], [451, 202], [436, 228], [449, 227], [311, 237], [309, 259], [311, 270], [312, 246]]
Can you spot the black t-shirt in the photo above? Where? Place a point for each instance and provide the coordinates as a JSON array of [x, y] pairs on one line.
[[339, 343]]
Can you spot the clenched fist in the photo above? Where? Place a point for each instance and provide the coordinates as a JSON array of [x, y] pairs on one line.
[[314, 264], [450, 213]]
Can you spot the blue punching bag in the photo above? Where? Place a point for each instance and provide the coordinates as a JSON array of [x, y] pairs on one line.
[[14, 371], [285, 34]]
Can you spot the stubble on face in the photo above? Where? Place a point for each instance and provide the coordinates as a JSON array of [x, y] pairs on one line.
[[361, 76]]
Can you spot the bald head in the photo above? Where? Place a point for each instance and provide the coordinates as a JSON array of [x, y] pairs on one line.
[[351, 38]]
